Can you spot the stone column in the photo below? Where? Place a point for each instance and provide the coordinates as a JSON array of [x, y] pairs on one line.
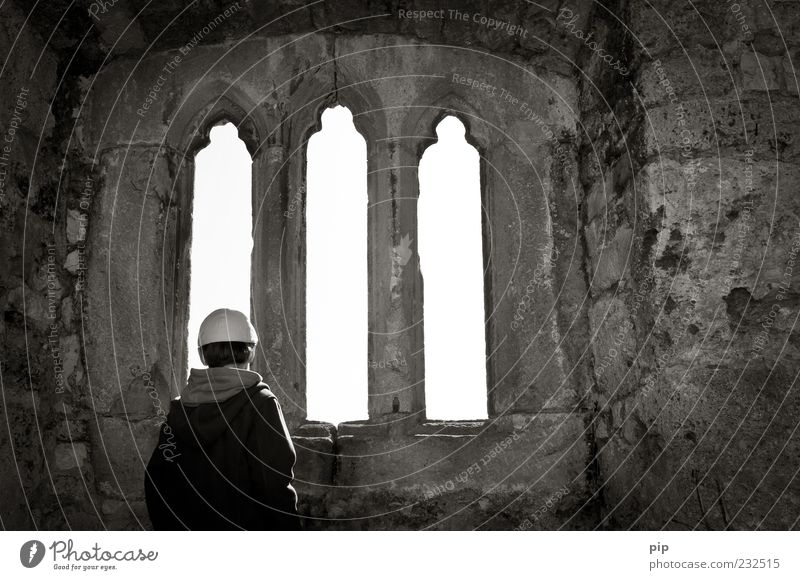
[[276, 300], [529, 371], [129, 268], [395, 309]]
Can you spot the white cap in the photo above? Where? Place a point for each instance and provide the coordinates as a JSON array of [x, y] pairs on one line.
[[226, 325]]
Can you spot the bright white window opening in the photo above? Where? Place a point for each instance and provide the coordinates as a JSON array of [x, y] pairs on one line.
[[222, 225], [451, 260], [336, 271]]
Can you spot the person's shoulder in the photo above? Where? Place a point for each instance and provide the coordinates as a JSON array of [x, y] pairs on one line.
[[262, 393], [264, 403]]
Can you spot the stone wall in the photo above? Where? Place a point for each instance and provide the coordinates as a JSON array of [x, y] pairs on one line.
[[46, 453], [692, 231], [397, 91], [639, 239]]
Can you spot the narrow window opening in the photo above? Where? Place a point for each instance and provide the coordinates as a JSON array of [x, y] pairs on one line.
[[451, 260], [222, 239], [336, 271]]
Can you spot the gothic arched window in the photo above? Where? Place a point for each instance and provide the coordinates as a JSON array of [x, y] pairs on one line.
[[450, 246], [222, 224], [336, 271]]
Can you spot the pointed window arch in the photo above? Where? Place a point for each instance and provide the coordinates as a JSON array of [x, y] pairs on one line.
[[450, 249], [336, 271]]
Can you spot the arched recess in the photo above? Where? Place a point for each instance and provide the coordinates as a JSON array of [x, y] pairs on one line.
[[308, 103], [518, 243], [222, 231], [212, 104], [435, 104], [450, 234], [421, 122], [314, 96], [336, 268]]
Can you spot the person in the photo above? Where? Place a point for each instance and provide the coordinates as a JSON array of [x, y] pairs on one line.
[[224, 459]]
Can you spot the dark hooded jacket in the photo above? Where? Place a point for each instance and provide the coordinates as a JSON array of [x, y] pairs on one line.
[[224, 458]]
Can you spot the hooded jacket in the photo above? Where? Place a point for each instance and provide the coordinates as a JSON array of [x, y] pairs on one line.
[[224, 458]]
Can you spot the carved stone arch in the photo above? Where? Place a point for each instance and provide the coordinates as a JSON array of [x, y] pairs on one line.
[[423, 119], [207, 106], [303, 118], [210, 105], [313, 97], [365, 105], [481, 133]]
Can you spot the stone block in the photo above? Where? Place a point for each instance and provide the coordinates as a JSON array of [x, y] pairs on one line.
[[76, 229], [32, 304], [720, 124], [601, 196], [316, 458], [72, 262], [71, 428], [146, 395], [70, 357], [44, 278], [790, 74], [759, 72], [71, 456], [610, 258], [67, 313], [700, 73], [426, 464], [613, 346], [121, 450], [125, 280], [664, 26]]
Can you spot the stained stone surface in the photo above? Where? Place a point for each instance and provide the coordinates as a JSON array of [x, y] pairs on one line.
[[642, 241]]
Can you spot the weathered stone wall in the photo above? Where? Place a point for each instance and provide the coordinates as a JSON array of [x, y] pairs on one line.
[[692, 231], [46, 453], [640, 240], [397, 90]]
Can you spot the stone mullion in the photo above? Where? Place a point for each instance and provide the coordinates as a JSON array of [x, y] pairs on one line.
[[395, 356], [276, 311]]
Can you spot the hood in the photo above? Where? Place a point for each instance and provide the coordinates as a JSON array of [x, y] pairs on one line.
[[209, 403], [215, 385]]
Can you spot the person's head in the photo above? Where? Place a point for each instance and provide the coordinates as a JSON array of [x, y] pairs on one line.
[[227, 338]]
